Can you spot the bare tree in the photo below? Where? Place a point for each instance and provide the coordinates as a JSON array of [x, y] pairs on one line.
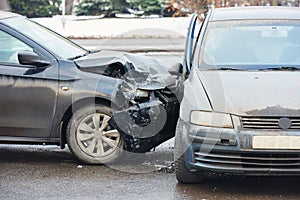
[[4, 5], [69, 6]]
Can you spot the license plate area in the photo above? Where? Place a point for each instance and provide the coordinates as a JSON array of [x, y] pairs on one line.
[[276, 142]]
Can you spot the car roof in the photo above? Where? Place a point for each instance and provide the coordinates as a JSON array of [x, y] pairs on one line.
[[255, 12], [5, 15]]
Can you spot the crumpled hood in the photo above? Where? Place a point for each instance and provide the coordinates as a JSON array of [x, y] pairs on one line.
[[142, 71], [253, 93]]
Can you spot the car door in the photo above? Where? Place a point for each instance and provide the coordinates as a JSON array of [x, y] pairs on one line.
[[189, 46], [27, 94]]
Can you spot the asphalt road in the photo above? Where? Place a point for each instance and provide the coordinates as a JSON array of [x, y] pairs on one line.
[[37, 172]]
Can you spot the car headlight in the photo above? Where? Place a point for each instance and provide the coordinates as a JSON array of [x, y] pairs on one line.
[[131, 91], [211, 119], [141, 93]]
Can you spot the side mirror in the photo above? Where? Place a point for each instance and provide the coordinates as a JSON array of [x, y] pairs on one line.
[[31, 58], [176, 69]]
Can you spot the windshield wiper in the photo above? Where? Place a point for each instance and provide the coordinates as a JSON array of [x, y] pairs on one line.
[[281, 68], [80, 56]]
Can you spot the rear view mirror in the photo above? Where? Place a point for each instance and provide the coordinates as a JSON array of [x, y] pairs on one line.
[[31, 58], [176, 69]]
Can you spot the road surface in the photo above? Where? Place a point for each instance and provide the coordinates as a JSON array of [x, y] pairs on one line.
[[37, 172]]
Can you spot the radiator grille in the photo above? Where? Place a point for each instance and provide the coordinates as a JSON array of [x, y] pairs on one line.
[[248, 160], [268, 123]]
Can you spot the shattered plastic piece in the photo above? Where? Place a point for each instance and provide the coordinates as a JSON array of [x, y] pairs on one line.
[[168, 167]]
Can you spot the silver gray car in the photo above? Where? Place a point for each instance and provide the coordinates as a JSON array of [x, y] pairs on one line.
[[240, 113]]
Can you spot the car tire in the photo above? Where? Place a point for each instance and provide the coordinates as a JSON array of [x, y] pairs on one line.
[[183, 173], [91, 139]]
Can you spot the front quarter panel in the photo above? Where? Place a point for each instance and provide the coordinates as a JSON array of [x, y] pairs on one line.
[[76, 85], [194, 98]]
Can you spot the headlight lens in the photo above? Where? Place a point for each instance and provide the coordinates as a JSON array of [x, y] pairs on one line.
[[211, 119], [141, 93]]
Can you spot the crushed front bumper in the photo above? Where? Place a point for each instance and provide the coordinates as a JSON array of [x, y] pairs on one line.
[[148, 124]]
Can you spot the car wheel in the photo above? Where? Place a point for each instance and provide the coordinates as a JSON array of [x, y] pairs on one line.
[[90, 137], [183, 174]]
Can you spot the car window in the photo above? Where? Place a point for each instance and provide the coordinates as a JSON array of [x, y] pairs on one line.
[[248, 44], [9, 48], [55, 43]]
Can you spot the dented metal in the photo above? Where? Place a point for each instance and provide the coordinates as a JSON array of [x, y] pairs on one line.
[[144, 72], [146, 120]]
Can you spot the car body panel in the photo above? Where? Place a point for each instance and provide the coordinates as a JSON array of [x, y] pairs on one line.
[[193, 97], [252, 93], [75, 86], [4, 15], [27, 103], [145, 72]]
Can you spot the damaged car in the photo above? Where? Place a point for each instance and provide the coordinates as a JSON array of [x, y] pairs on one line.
[[240, 112], [101, 103]]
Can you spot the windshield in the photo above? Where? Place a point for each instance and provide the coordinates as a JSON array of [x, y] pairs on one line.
[[56, 44], [251, 45]]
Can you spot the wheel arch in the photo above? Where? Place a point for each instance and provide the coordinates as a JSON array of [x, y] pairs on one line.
[[69, 113]]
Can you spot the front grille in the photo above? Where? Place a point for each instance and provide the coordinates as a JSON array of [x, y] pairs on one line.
[[246, 161], [268, 123]]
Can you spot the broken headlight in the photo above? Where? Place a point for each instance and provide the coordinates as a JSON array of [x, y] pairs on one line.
[[133, 93], [141, 93]]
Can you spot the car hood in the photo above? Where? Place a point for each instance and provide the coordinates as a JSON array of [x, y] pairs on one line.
[[142, 71], [253, 93]]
